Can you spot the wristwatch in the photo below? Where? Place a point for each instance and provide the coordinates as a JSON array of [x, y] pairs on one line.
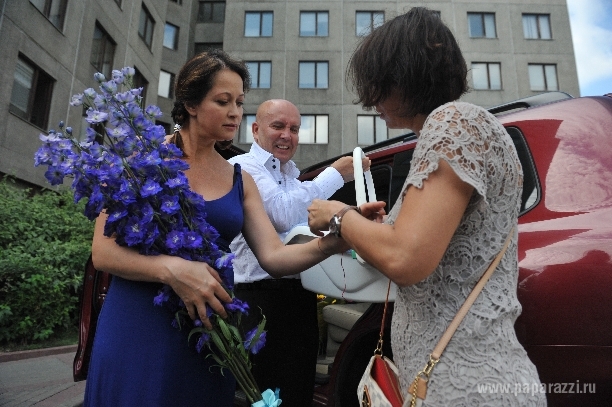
[[335, 221]]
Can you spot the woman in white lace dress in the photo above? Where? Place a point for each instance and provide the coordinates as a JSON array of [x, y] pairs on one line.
[[459, 203]]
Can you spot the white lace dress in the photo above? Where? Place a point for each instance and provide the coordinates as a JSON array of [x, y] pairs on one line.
[[484, 364]]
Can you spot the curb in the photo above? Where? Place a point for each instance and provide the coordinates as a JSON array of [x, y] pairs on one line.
[[36, 353]]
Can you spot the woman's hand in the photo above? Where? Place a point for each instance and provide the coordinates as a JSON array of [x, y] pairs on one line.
[[198, 284], [373, 211], [320, 213]]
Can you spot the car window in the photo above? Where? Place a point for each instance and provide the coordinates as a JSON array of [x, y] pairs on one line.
[[531, 184], [381, 176]]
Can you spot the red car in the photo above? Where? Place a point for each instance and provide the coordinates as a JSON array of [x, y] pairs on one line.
[[565, 248]]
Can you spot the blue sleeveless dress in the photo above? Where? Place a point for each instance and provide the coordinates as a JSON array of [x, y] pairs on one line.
[[139, 359]]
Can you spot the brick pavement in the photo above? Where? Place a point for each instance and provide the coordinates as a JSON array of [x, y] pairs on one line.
[[41, 378]]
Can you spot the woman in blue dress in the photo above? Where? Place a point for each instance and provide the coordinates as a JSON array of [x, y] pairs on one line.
[[138, 358]]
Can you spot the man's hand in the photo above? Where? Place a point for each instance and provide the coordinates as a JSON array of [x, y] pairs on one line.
[[344, 165]]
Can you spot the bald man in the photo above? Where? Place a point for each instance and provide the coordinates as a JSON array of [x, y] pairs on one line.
[[288, 360]]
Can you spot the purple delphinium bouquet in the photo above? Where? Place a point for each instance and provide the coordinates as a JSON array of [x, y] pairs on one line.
[[123, 167]]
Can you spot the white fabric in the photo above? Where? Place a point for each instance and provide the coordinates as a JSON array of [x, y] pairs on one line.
[[484, 350], [285, 199]]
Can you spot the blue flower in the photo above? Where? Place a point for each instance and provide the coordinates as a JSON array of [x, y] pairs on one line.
[[96, 116], [253, 343], [149, 188], [238, 306], [170, 204]]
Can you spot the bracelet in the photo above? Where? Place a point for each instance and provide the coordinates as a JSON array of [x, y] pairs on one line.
[[319, 245]]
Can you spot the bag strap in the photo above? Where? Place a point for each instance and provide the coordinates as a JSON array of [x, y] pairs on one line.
[[450, 331], [378, 350], [434, 357]]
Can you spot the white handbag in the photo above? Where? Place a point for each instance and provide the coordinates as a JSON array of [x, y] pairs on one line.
[[346, 275]]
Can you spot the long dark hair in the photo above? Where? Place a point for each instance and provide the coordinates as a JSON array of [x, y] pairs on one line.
[[414, 53], [195, 80]]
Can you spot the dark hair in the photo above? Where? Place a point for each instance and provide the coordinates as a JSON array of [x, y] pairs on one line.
[[195, 80], [415, 54]]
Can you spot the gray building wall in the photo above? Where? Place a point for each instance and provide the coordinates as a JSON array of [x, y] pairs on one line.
[[64, 54]]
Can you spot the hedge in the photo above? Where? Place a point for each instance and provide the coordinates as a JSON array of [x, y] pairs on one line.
[[44, 244]]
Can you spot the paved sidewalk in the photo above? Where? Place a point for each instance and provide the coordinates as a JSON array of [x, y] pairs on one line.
[[41, 378]]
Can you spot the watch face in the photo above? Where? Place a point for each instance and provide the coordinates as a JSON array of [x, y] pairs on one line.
[[333, 225]]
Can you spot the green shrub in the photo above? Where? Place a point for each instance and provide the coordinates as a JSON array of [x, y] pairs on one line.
[[44, 244]]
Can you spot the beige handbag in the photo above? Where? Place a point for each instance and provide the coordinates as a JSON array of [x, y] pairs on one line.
[[377, 385]]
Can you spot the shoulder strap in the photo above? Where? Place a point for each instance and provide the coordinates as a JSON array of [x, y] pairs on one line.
[[450, 331]]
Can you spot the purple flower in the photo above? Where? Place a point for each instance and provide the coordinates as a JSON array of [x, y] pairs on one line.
[[238, 306], [170, 204], [96, 116], [202, 341], [192, 240], [149, 188], [174, 241], [134, 232], [54, 175], [254, 342]]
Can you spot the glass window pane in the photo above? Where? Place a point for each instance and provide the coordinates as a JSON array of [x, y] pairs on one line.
[[142, 24], [381, 129], [362, 23], [378, 19], [307, 75], [545, 28], [475, 25], [489, 20], [253, 68], [22, 84], [266, 24], [170, 36], [307, 129], [265, 75], [247, 128], [218, 12], [530, 26], [251, 25], [163, 88], [323, 24], [551, 77], [479, 76], [307, 24], [322, 75], [536, 77], [495, 76], [365, 130], [322, 129]]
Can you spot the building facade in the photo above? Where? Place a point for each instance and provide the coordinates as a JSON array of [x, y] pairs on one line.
[[296, 50]]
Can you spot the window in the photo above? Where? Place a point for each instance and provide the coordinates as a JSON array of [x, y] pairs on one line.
[[261, 74], [171, 36], [537, 26], [543, 77], [102, 51], [258, 23], [54, 10], [179, 2], [206, 46], [146, 25], [246, 128], [370, 129], [486, 75], [211, 12], [166, 85], [314, 23], [31, 93], [314, 129], [141, 82], [367, 21], [313, 75], [482, 25]]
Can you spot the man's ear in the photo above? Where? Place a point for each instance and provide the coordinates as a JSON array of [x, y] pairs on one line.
[[255, 130]]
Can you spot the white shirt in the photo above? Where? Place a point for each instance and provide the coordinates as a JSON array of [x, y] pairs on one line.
[[285, 199]]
